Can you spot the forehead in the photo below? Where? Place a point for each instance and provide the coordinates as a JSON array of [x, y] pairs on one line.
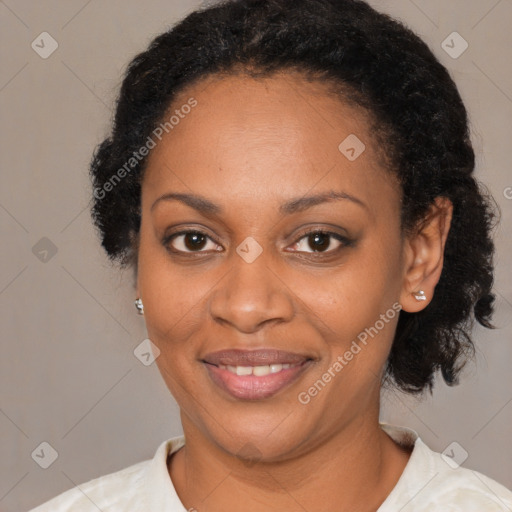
[[280, 134], [288, 104]]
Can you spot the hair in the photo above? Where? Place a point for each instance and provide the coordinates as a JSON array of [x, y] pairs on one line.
[[379, 65]]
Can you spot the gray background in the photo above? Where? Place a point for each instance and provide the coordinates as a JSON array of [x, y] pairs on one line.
[[69, 376]]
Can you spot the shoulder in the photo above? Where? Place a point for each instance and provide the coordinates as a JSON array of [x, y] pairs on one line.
[[462, 489], [113, 490], [131, 488], [434, 481]]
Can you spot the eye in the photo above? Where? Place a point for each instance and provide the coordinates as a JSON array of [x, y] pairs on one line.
[[190, 241], [320, 242]]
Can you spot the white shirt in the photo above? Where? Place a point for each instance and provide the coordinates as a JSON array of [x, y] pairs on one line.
[[430, 482]]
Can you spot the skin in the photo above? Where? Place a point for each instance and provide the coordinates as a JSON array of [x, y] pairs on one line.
[[249, 146]]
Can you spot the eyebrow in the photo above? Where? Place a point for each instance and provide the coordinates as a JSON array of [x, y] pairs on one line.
[[299, 204]]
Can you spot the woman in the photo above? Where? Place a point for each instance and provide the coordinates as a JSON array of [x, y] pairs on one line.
[[292, 184]]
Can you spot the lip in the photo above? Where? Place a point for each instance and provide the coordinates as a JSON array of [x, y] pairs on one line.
[[252, 387]]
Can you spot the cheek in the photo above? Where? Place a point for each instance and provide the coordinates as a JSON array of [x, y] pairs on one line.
[[356, 310], [354, 295], [171, 298]]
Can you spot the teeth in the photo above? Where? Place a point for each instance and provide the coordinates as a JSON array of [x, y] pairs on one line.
[[274, 368], [258, 371], [244, 370]]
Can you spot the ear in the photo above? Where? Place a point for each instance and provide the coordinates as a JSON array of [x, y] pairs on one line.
[[424, 255]]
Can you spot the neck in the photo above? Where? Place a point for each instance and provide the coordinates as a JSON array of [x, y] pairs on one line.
[[354, 469]]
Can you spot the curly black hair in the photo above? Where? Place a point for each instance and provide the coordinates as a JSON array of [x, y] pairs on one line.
[[378, 64]]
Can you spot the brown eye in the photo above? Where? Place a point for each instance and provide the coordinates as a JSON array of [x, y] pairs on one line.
[[194, 241], [189, 241], [321, 242]]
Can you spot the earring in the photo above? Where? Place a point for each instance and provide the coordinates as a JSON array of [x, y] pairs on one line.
[[420, 295], [139, 306]]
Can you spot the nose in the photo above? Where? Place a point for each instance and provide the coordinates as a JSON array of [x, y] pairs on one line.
[[250, 296]]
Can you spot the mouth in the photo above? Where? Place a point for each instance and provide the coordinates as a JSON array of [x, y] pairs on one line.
[[254, 375]]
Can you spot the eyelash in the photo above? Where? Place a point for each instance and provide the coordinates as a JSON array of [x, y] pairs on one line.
[[345, 242]]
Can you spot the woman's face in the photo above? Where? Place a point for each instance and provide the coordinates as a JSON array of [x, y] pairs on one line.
[[254, 167]]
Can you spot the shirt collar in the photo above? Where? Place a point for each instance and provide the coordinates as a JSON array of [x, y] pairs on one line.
[[159, 490], [160, 493]]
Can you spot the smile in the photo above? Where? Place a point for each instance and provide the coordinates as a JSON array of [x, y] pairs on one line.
[[258, 371], [255, 382]]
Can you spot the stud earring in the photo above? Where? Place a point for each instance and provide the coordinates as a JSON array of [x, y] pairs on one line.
[[139, 306], [420, 295]]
